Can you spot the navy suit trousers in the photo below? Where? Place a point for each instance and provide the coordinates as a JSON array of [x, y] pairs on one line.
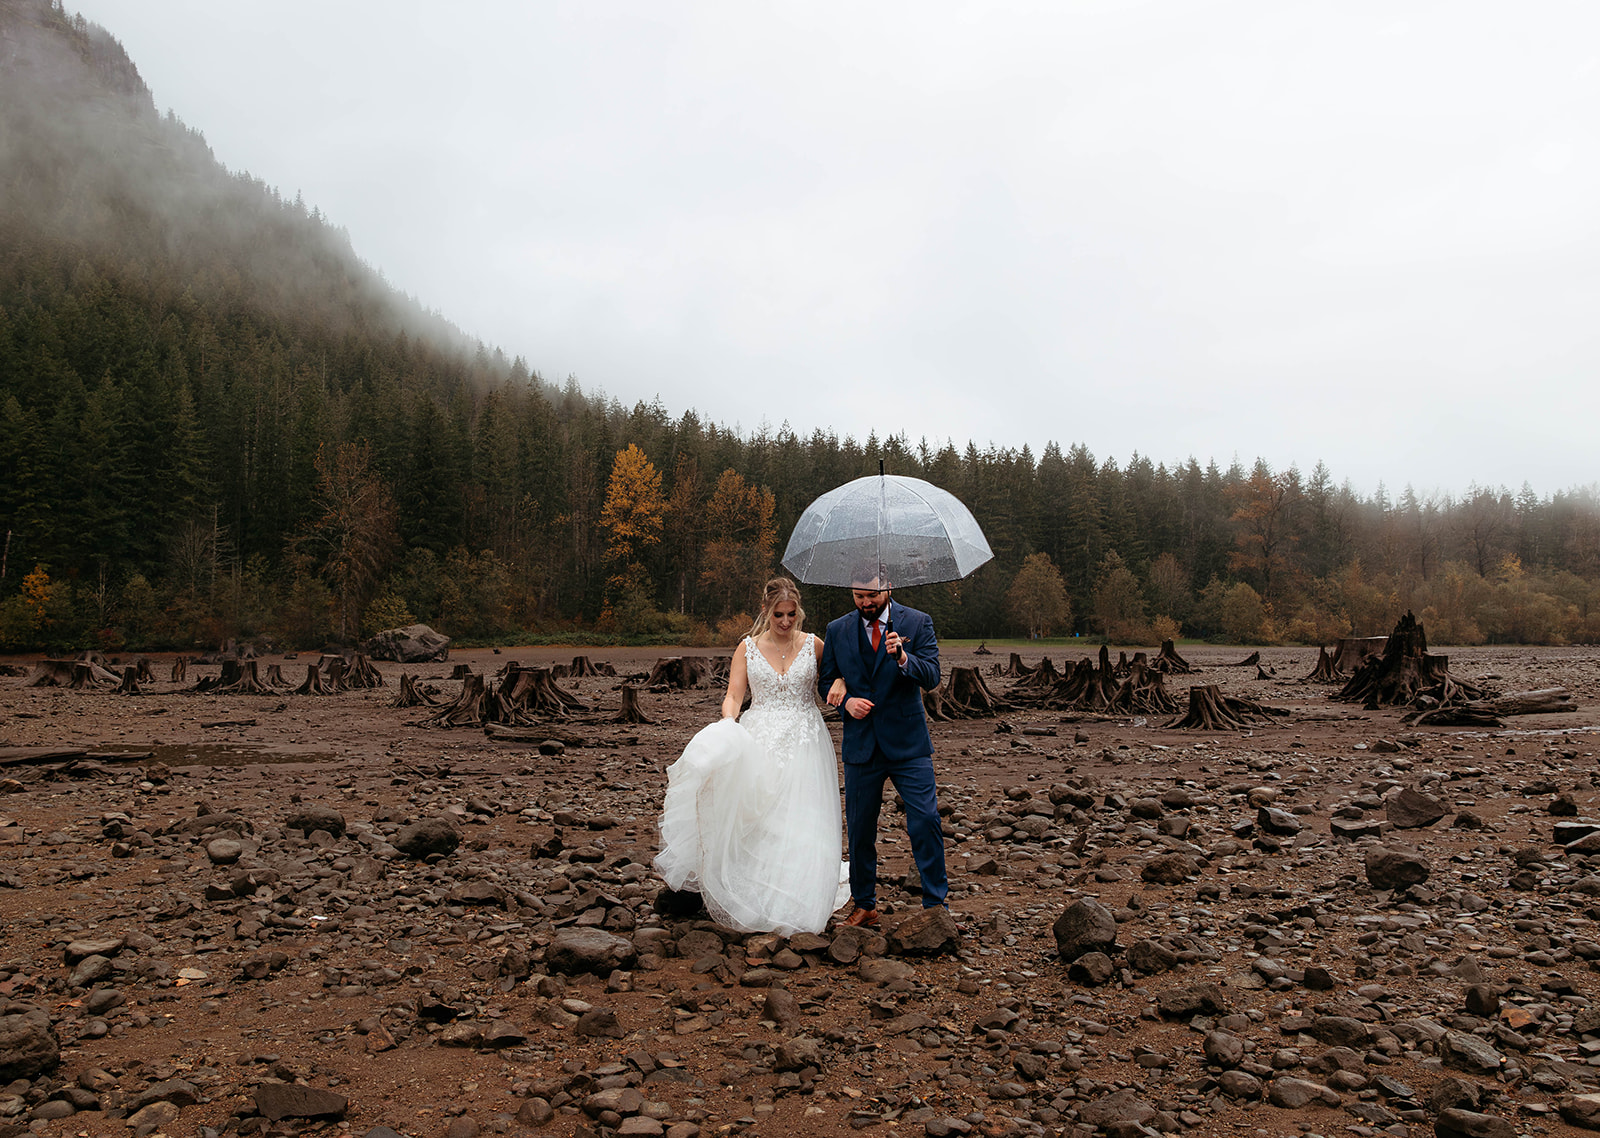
[[863, 796]]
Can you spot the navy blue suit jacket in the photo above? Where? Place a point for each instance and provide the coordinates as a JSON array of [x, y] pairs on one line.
[[897, 724]]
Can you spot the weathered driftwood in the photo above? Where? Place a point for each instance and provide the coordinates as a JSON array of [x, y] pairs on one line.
[[1253, 658], [631, 711], [1210, 710], [467, 710], [413, 694], [1324, 672], [313, 684], [1264, 673], [1491, 712], [1404, 672], [1143, 691], [1168, 661], [681, 672]]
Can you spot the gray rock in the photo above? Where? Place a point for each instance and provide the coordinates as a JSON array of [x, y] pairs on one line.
[[156, 1114], [80, 949], [1340, 1031], [1191, 1000], [798, 1053], [599, 1023], [1119, 1106], [1295, 1094], [90, 970], [1469, 1053], [781, 1008], [413, 644], [1092, 968], [1223, 1049], [277, 1101], [1410, 809], [28, 1044], [1150, 957], [885, 970], [179, 1092], [1168, 869], [575, 950], [224, 851], [1278, 822], [1086, 926], [1239, 1084], [429, 836], [308, 819], [1457, 1123], [930, 931], [535, 1112], [1395, 869], [1581, 1110]]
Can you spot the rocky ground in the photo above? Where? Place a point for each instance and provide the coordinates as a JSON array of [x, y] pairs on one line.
[[306, 913]]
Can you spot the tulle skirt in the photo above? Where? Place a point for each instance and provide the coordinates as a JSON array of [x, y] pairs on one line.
[[757, 837]]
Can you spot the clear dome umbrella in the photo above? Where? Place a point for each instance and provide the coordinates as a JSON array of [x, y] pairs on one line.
[[902, 530]]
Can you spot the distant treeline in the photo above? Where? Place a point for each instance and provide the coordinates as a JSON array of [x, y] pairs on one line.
[[216, 422]]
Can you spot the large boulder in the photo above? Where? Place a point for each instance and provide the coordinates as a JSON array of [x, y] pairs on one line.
[[413, 644], [1086, 926], [28, 1045]]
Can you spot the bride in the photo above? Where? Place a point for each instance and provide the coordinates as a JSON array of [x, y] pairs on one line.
[[750, 819]]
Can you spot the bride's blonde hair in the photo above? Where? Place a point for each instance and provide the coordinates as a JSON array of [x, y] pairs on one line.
[[778, 590]]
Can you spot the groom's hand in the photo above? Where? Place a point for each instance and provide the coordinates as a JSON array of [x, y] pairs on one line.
[[857, 707]]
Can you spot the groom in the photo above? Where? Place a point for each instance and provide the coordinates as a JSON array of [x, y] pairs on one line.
[[875, 663]]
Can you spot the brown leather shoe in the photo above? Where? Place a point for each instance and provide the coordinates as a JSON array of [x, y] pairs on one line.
[[862, 917]]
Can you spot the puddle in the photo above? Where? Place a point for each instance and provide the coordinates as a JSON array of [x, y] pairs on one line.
[[223, 754]]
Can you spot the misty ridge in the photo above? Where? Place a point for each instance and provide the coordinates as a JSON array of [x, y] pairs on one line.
[[86, 160], [216, 421]]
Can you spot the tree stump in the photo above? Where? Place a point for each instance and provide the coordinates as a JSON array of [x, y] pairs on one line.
[[130, 681], [631, 711], [1264, 673], [964, 695], [1324, 672], [1120, 668], [1351, 651], [1168, 661], [275, 677], [1088, 686], [333, 674], [932, 704], [1041, 679], [231, 671], [313, 684], [1016, 669], [582, 666], [1404, 672], [362, 674], [142, 671], [681, 672], [461, 672], [982, 649], [246, 681], [1210, 710], [180, 669], [467, 710], [1143, 692], [412, 694], [529, 693]]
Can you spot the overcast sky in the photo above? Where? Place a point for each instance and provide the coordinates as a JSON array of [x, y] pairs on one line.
[[1361, 233]]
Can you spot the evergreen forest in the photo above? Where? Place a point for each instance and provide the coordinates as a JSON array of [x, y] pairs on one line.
[[217, 422]]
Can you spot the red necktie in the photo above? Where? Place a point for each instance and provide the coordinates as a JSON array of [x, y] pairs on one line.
[[877, 635]]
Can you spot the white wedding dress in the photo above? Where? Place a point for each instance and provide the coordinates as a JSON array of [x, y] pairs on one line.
[[750, 819]]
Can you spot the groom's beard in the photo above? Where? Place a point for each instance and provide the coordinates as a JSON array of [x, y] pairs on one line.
[[871, 612]]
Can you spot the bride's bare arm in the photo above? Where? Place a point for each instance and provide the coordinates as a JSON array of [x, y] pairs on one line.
[[738, 684]]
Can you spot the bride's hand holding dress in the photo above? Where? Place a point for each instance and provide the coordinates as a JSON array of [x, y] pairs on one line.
[[751, 818]]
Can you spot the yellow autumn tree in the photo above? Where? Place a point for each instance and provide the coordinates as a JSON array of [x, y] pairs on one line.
[[632, 518], [1038, 599], [739, 559]]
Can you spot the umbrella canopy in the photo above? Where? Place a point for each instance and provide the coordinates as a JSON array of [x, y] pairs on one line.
[[907, 531]]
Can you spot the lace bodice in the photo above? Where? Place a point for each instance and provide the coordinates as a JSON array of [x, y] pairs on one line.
[[783, 711]]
